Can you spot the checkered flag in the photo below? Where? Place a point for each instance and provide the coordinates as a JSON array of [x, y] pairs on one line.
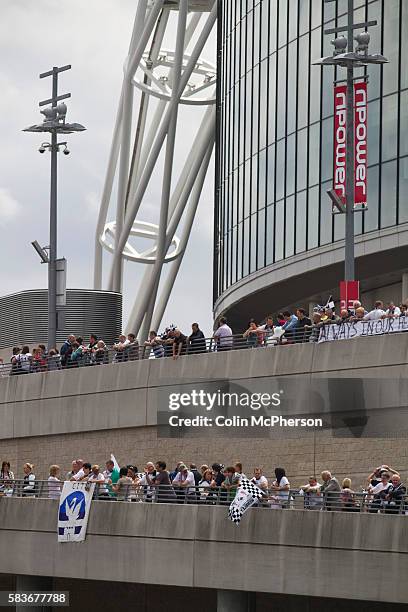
[[247, 494]]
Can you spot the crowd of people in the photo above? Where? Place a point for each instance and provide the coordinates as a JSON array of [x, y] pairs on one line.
[[383, 490], [286, 328]]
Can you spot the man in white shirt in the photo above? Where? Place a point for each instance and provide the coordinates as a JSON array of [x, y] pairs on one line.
[[259, 479], [80, 473], [375, 490], [268, 329], [312, 497], [377, 313], [223, 336], [184, 482], [120, 347], [392, 311]]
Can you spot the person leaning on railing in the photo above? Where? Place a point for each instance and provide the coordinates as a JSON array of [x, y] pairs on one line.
[[314, 329], [155, 343], [331, 490], [393, 497], [223, 336], [280, 490], [313, 499], [122, 487], [347, 497], [252, 335], [196, 340], [29, 485]]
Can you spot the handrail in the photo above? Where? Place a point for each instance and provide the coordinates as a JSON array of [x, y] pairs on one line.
[[86, 358], [344, 501]]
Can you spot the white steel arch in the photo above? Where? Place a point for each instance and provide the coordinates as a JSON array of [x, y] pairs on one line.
[[167, 79]]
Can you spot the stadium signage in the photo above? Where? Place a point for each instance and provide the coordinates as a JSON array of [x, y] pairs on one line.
[[340, 136], [360, 144], [348, 330]]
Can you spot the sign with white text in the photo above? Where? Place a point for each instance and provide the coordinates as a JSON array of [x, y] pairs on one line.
[[353, 329], [360, 145], [340, 139], [73, 510]]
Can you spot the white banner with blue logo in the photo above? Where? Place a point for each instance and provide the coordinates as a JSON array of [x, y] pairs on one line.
[[73, 511]]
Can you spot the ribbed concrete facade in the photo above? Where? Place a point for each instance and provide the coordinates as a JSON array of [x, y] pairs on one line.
[[23, 316]]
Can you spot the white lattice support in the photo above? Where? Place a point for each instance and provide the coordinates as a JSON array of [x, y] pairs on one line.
[[169, 79]]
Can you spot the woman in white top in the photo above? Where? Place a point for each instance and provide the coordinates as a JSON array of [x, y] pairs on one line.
[[280, 487], [54, 483], [205, 485], [24, 360], [6, 478]]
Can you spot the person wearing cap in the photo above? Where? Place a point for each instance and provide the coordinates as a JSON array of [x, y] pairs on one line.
[[184, 482], [375, 477], [376, 490]]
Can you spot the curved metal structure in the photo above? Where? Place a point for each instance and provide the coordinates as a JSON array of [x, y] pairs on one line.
[[165, 80]]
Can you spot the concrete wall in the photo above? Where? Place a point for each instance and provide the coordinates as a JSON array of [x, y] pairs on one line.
[[319, 554], [91, 412]]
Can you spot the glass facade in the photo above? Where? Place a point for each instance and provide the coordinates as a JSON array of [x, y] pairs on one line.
[[275, 129]]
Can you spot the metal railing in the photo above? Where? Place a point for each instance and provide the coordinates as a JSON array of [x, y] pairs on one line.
[[343, 501], [164, 349]]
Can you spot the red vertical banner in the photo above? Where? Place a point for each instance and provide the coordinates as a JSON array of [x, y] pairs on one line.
[[349, 293], [340, 141], [360, 145]]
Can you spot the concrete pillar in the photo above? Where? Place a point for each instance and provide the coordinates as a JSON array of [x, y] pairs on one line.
[[235, 601], [404, 288], [34, 584]]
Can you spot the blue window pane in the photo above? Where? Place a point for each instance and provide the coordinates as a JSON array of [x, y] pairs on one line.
[[289, 226], [303, 16], [273, 7], [281, 97], [263, 104], [374, 13], [314, 153], [292, 85], [280, 169], [313, 218], [272, 99], [301, 159], [391, 44], [373, 135], [262, 179], [293, 19], [388, 193], [283, 22], [403, 190], [315, 75], [303, 82], [327, 149], [290, 164], [270, 224], [404, 124], [389, 127], [264, 29], [404, 44], [371, 214], [261, 239], [301, 222], [279, 229], [326, 216], [270, 194]]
